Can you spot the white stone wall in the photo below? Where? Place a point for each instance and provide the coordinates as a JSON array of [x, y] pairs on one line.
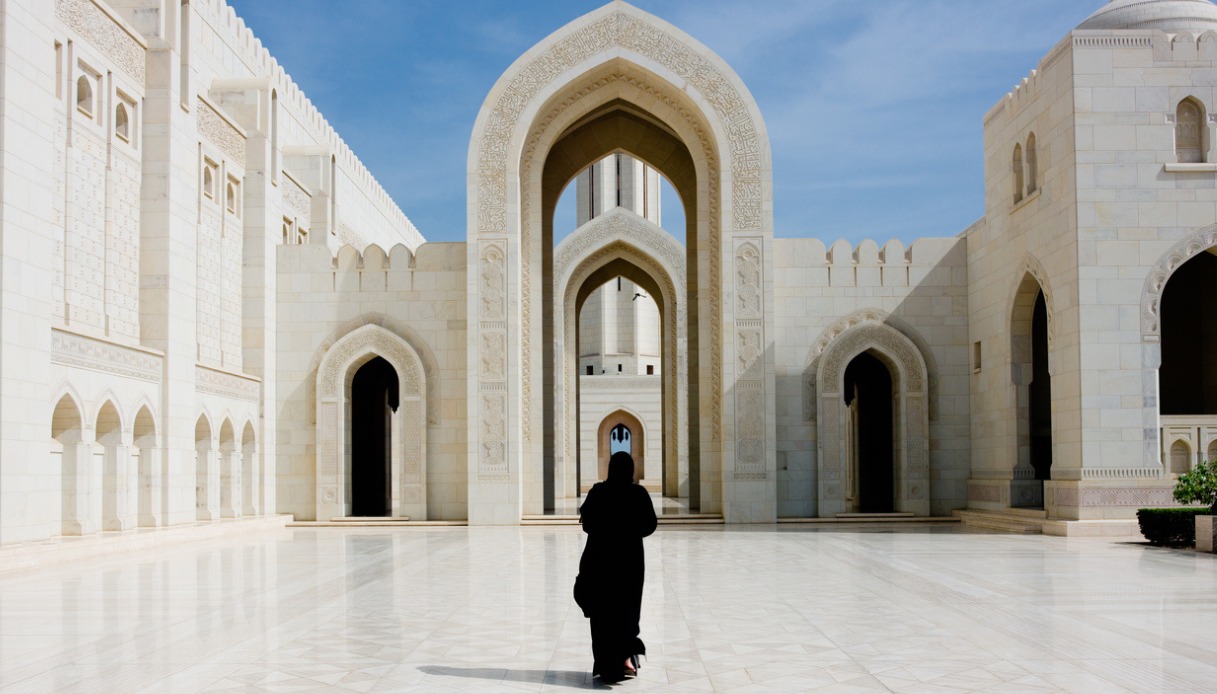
[[640, 396], [922, 293], [420, 298]]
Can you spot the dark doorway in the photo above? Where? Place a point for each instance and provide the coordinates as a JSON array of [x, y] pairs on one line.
[[1187, 379], [868, 394], [373, 401], [1040, 393]]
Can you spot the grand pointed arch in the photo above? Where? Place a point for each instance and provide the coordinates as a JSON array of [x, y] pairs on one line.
[[619, 79], [910, 378], [408, 460], [622, 243]]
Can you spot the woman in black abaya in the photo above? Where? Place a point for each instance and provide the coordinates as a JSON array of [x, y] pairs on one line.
[[616, 515]]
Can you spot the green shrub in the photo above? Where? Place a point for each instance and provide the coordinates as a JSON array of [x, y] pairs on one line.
[[1199, 486], [1171, 527]]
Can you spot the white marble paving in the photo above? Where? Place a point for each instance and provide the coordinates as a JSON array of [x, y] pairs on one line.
[[821, 608]]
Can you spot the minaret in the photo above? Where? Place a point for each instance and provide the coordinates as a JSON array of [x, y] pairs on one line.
[[619, 323]]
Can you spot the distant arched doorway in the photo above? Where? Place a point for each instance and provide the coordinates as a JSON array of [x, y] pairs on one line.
[[374, 399], [634, 442], [870, 476]]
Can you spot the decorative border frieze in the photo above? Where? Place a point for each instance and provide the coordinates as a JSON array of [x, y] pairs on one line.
[[1155, 283], [105, 33], [227, 384], [221, 131], [750, 438], [1136, 497], [71, 349]]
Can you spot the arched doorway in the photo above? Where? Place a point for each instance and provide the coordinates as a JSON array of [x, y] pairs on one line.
[[1031, 376], [111, 468], [374, 399], [870, 478], [1187, 377], [855, 369], [367, 420], [251, 471], [69, 450], [145, 457], [206, 493], [230, 471], [620, 80], [619, 431]]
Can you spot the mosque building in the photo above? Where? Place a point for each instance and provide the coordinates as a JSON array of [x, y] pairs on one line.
[[211, 309]]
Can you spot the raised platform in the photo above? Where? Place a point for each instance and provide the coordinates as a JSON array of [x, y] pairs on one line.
[[842, 518], [70, 548], [1026, 521], [664, 519]]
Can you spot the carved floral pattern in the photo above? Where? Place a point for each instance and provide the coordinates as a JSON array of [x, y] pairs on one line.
[[221, 133], [1155, 283], [93, 24]]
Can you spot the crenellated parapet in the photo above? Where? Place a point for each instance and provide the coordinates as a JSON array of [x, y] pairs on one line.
[[868, 264], [233, 36]]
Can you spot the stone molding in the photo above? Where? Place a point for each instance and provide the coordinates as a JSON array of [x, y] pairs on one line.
[[107, 33], [1155, 283], [73, 349], [226, 384], [1125, 497], [1032, 266]]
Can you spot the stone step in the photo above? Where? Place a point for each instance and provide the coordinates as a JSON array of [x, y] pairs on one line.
[[664, 519], [902, 514], [370, 519], [1000, 520]]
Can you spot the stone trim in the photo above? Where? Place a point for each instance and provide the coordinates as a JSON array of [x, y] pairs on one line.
[[227, 384], [73, 349]]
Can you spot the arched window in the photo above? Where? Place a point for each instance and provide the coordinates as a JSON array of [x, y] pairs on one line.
[[287, 231], [209, 180], [1018, 173], [1032, 165], [230, 197], [122, 122], [1189, 131], [84, 95]]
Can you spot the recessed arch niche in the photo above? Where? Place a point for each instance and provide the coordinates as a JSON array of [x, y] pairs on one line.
[[620, 243], [619, 79], [407, 456], [910, 414]]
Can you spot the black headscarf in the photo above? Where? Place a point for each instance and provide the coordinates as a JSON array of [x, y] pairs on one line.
[[620, 469]]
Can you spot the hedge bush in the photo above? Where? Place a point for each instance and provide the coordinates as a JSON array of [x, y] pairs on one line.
[[1171, 527]]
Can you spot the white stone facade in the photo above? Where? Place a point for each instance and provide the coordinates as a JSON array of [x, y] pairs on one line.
[[197, 272]]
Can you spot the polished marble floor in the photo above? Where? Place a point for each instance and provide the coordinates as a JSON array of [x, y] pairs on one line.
[[824, 609]]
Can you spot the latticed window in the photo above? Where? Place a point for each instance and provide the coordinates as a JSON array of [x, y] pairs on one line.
[[1189, 131]]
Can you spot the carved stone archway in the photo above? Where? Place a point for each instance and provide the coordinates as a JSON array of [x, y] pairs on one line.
[[408, 457], [1160, 274], [616, 239], [621, 60], [909, 380]]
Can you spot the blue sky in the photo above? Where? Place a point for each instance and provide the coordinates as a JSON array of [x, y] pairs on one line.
[[873, 107]]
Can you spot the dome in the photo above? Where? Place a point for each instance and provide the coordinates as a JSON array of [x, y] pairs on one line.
[[1171, 16]]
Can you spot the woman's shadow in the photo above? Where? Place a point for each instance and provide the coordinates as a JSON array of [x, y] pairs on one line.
[[579, 679]]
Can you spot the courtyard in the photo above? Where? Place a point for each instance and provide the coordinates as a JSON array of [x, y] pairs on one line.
[[825, 608]]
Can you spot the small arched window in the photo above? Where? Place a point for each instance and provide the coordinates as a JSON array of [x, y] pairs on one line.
[[1032, 165], [209, 180], [1017, 163], [287, 232], [230, 197], [122, 122], [1189, 131], [84, 95]]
